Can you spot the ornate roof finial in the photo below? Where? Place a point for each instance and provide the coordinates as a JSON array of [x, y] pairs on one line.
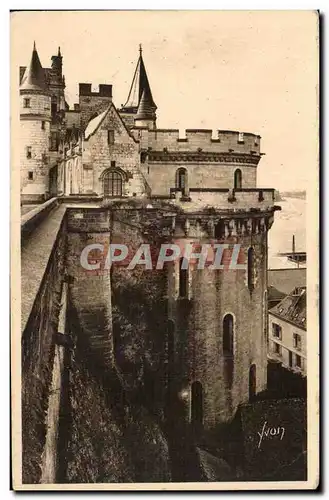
[[59, 52], [34, 46], [140, 49]]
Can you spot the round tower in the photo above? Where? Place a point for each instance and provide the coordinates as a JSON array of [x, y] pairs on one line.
[[218, 313], [35, 118]]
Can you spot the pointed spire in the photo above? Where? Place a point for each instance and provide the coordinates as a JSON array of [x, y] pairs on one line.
[[59, 52], [139, 84], [34, 76]]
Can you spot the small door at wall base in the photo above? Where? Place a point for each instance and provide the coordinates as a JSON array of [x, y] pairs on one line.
[[112, 184], [252, 382]]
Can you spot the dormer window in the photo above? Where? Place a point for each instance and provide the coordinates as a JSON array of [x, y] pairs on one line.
[[241, 137], [27, 102]]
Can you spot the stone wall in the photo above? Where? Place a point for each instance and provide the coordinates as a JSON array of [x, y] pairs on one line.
[[162, 176], [37, 361], [90, 291]]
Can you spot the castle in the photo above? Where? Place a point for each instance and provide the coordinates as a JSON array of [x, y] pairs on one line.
[[215, 341]]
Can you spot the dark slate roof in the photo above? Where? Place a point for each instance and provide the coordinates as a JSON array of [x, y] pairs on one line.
[[274, 294], [34, 75], [146, 109], [285, 280], [293, 308], [139, 84]]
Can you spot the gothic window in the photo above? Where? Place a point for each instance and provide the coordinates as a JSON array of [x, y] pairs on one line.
[[252, 382], [43, 125], [228, 335], [251, 269], [183, 280], [29, 152], [196, 403], [237, 179], [112, 183], [181, 179], [27, 102]]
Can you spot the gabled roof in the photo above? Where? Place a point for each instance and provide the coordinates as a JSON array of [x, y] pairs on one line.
[[34, 75], [293, 308], [139, 84], [95, 123]]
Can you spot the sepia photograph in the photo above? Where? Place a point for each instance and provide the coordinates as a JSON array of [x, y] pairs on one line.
[[165, 250]]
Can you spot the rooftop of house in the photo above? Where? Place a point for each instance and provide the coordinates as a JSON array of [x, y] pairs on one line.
[[293, 308]]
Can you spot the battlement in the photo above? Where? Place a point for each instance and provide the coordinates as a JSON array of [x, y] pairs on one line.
[[104, 90], [255, 199], [198, 140]]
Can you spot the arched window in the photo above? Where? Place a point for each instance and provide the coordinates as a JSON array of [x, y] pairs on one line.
[[196, 403], [228, 349], [251, 269], [183, 280], [228, 335], [181, 179], [237, 179], [112, 183], [252, 382]]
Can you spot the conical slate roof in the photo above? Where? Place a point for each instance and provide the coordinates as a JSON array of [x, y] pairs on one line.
[[34, 76], [146, 108], [139, 84]]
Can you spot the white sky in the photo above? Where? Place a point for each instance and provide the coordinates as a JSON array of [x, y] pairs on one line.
[[248, 71]]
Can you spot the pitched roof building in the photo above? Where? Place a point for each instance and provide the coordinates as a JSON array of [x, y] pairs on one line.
[[287, 331]]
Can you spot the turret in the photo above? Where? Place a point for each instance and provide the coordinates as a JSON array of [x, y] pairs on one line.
[[146, 116], [35, 117], [57, 63], [140, 90]]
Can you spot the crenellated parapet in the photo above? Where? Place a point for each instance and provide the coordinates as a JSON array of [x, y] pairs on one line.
[[198, 140], [225, 199]]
